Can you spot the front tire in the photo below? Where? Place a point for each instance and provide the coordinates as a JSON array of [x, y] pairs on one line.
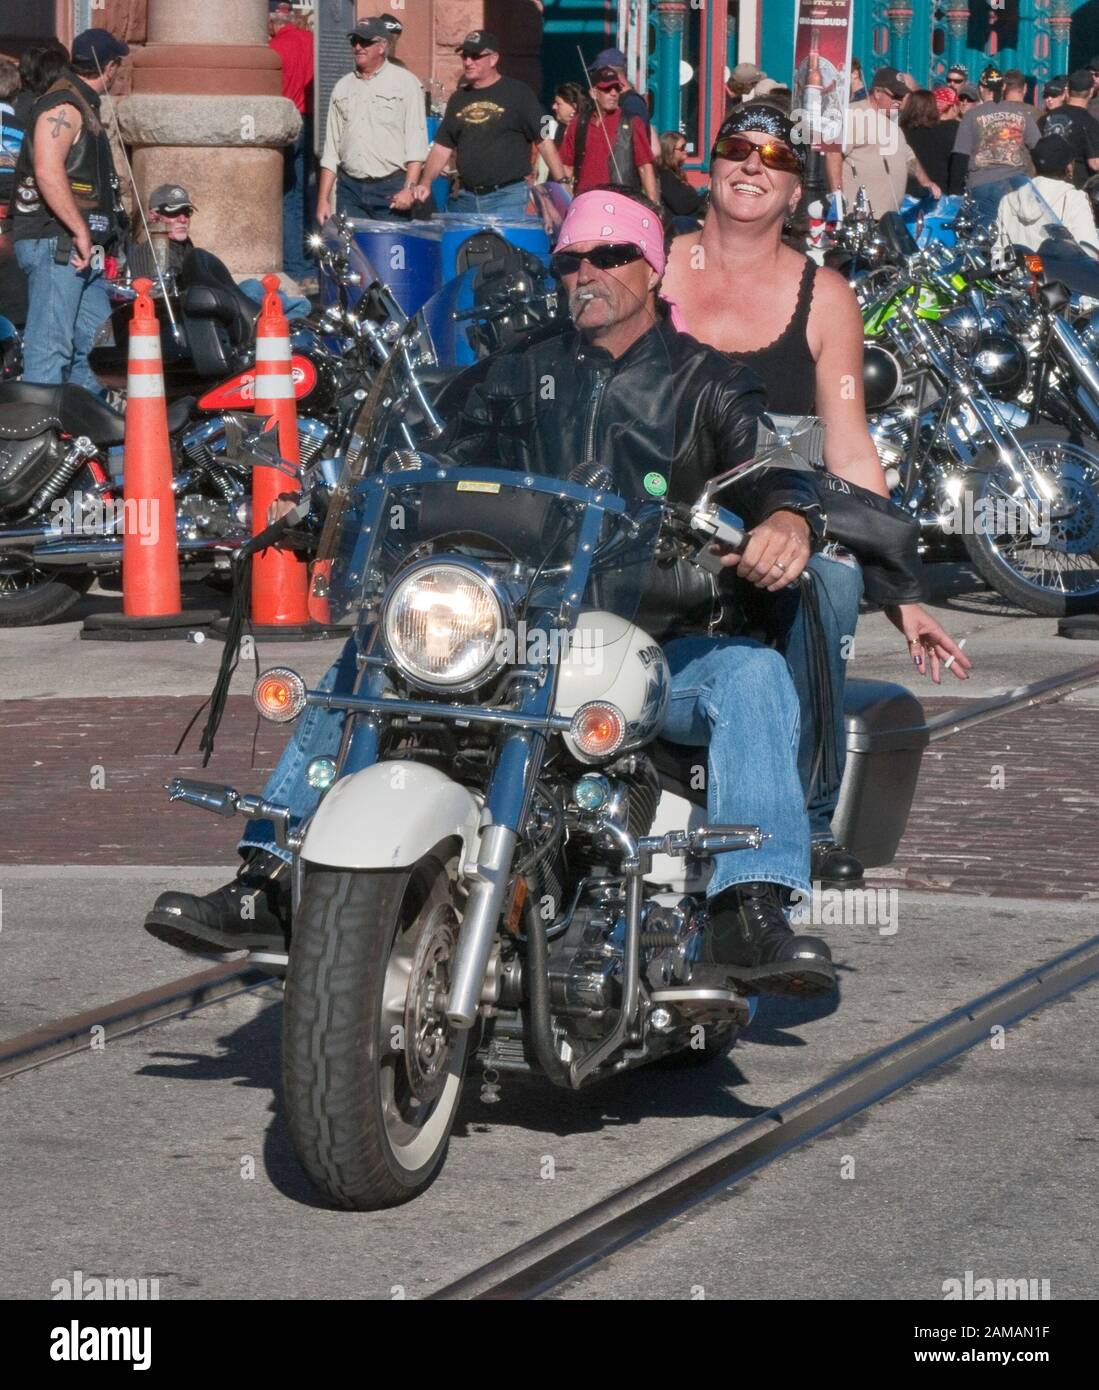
[[1060, 576], [372, 1073]]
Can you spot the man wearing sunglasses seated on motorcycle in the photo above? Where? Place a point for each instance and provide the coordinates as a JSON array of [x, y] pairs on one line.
[[636, 376]]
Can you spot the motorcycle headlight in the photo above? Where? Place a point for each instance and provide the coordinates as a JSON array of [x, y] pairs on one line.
[[444, 625]]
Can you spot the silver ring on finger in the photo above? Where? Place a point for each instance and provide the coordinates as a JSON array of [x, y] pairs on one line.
[[778, 565]]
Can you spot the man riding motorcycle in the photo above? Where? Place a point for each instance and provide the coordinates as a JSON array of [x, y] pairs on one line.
[[629, 367]]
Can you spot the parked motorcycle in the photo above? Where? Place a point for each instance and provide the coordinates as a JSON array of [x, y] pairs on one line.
[[979, 394], [508, 865], [61, 514]]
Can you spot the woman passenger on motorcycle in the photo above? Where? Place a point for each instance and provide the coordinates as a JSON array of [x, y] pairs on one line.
[[738, 286]]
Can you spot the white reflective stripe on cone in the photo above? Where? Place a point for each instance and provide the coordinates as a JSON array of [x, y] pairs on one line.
[[273, 388], [143, 345], [272, 349], [149, 384]]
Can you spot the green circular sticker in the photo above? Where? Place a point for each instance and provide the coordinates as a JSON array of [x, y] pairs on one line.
[[656, 485]]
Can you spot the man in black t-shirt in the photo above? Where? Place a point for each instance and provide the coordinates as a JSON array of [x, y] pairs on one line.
[[489, 125], [1074, 124]]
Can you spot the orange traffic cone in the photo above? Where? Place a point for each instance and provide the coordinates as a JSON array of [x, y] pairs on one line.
[[280, 579], [151, 602]]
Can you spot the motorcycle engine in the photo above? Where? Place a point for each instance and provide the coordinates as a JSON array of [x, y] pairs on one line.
[[890, 433], [1001, 364]]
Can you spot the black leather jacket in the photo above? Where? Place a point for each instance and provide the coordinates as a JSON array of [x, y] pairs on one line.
[[669, 406], [665, 417]]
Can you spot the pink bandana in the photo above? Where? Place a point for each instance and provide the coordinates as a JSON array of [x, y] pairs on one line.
[[614, 218]]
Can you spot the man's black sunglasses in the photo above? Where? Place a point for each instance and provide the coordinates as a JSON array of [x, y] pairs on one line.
[[609, 257]]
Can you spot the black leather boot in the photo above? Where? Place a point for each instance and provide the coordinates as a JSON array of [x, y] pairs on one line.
[[750, 941], [833, 865], [251, 913]]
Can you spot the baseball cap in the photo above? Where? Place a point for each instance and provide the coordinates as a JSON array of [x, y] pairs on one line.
[[991, 77], [95, 48], [968, 92], [604, 74], [370, 30], [889, 80], [477, 43], [609, 58], [170, 197], [1080, 81], [1052, 154], [1055, 87], [957, 70]]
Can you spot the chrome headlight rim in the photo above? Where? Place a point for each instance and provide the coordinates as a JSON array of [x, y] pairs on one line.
[[505, 622]]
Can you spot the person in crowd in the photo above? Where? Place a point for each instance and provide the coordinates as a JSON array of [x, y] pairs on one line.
[[956, 76], [608, 146], [930, 139], [1075, 125], [679, 199], [993, 139], [375, 141], [946, 99], [170, 206], [66, 217], [858, 82], [968, 97], [13, 283], [294, 46], [735, 695], [1093, 105], [738, 287], [876, 156], [741, 83], [569, 100], [1022, 220], [630, 101], [488, 128], [1053, 95], [39, 68]]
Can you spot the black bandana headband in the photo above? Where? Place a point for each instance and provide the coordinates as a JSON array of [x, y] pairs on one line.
[[765, 119]]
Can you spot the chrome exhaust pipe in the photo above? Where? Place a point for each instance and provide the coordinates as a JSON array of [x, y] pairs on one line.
[[107, 554]]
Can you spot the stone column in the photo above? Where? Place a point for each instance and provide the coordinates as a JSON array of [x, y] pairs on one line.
[[206, 110]]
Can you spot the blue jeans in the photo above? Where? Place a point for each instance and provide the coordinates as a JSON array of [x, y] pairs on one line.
[[987, 196], [735, 696], [839, 589], [509, 204], [295, 191], [66, 309], [730, 693], [369, 197]]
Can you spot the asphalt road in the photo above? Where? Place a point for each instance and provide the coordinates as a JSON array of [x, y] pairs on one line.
[[163, 1155]]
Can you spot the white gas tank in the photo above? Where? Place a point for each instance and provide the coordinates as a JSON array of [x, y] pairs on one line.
[[611, 660]]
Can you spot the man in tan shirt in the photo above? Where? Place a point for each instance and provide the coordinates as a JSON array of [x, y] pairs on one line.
[[375, 141], [875, 154]]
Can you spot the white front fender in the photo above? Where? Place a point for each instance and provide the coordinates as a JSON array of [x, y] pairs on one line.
[[390, 815]]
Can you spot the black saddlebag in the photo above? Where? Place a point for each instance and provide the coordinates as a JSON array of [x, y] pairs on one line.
[[30, 453]]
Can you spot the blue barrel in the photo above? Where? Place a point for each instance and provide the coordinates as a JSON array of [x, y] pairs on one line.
[[403, 255], [456, 229]]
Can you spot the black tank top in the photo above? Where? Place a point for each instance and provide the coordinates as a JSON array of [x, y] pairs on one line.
[[786, 366]]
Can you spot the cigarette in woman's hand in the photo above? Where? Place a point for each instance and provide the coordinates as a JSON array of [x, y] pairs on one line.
[[950, 659]]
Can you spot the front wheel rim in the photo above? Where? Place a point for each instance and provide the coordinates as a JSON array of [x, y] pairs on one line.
[[1068, 563]]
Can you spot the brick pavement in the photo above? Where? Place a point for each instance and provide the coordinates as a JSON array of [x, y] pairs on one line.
[[1034, 836]]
